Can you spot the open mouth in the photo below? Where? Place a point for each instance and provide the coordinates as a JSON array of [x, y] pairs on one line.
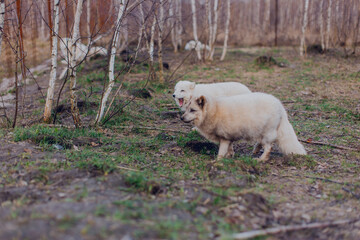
[[181, 102]]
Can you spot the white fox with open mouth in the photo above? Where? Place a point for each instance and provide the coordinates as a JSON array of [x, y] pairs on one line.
[[185, 89]]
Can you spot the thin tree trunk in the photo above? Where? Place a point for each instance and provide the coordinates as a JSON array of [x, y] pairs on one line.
[[151, 47], [226, 30], [266, 23], [209, 19], [50, 21], [160, 31], [321, 23], [193, 10], [75, 38], [173, 26], [42, 26], [2, 19], [276, 21], [328, 26], [214, 31], [114, 45], [54, 53], [179, 28], [141, 29], [88, 17], [303, 30]]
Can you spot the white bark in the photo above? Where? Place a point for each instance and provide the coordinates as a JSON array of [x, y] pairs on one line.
[[328, 25], [160, 30], [2, 19], [172, 25], [214, 30], [54, 54], [193, 10], [209, 18], [226, 30], [179, 28], [303, 30], [141, 29], [151, 47], [75, 38], [111, 64], [321, 23]]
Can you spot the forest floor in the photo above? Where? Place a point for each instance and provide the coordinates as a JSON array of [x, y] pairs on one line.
[[145, 175]]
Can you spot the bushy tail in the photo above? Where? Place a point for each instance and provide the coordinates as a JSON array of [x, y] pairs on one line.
[[287, 139]]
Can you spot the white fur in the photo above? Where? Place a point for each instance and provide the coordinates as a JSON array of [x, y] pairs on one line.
[[192, 45], [185, 89], [254, 116]]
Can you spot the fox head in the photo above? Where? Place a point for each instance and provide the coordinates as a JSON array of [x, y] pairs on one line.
[[183, 92], [195, 110]]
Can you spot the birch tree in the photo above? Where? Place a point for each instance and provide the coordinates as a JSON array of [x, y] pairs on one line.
[[303, 30], [73, 65], [2, 19], [328, 25], [54, 53], [321, 24], [214, 29], [160, 31], [193, 10], [114, 45], [151, 44], [226, 29], [179, 27], [173, 25]]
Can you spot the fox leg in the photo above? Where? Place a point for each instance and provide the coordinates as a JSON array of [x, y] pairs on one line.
[[265, 156], [230, 152], [257, 148], [223, 149]]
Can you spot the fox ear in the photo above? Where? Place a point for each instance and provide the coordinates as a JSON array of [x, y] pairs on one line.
[[201, 101], [192, 86]]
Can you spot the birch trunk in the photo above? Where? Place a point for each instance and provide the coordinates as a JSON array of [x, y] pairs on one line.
[[114, 44], [303, 30], [214, 31], [209, 18], [2, 19], [172, 25], [321, 23], [266, 23], [328, 26], [197, 48], [226, 30], [151, 47], [75, 38], [160, 30], [179, 28], [141, 29], [54, 53]]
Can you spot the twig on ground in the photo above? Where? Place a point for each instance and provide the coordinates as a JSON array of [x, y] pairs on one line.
[[283, 229], [125, 168], [150, 128], [330, 145]]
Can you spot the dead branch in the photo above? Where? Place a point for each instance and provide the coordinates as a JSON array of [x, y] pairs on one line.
[[283, 229], [330, 145]]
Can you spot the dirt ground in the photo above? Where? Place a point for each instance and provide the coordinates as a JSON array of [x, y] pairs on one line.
[[146, 175]]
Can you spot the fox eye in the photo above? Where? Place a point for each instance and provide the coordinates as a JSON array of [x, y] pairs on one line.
[[182, 91], [192, 110]]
